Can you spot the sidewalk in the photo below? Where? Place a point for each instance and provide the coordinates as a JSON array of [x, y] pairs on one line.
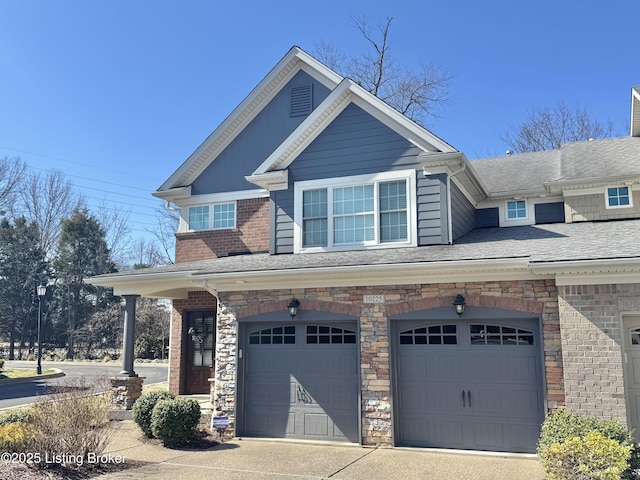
[[252, 459]]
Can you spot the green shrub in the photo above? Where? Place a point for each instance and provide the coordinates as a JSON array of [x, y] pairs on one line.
[[1, 364], [590, 457], [174, 421], [13, 416], [562, 426], [143, 407], [17, 437]]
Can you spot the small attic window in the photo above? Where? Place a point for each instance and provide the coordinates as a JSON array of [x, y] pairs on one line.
[[301, 100], [619, 197]]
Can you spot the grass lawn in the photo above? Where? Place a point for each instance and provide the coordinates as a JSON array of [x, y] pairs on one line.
[[22, 372]]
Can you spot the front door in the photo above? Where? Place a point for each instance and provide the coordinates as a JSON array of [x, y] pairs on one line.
[[200, 341], [632, 371]]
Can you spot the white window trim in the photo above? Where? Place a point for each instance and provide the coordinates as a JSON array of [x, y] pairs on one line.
[[185, 220], [338, 182], [528, 219], [613, 207]]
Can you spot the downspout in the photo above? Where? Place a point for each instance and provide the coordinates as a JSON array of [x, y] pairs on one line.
[[449, 218]]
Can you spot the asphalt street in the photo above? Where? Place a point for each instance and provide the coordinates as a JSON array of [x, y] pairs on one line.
[[24, 393]]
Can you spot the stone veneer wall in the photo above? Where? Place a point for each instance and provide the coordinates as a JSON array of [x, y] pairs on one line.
[[538, 297], [592, 339]]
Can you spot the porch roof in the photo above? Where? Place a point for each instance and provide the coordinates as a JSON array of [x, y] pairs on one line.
[[587, 250]]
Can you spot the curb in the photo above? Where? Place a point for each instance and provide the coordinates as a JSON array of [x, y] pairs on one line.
[[56, 374]]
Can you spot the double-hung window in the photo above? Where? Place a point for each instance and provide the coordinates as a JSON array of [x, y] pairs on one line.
[[619, 197], [355, 212], [218, 216]]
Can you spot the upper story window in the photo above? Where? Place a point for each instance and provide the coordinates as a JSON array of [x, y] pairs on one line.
[[619, 197], [219, 216], [516, 209], [355, 212]]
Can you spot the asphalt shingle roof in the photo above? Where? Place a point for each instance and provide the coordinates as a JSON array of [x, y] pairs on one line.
[[538, 243]]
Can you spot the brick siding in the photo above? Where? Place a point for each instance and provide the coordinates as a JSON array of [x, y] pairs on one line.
[[592, 339], [251, 235]]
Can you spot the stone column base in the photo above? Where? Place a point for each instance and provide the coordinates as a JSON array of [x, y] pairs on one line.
[[125, 391]]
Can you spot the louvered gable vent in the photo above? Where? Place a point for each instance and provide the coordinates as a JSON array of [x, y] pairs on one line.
[[301, 100]]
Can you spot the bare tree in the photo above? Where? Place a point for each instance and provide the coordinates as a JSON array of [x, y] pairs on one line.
[[12, 171], [549, 128], [165, 233], [47, 199], [418, 93], [115, 223]]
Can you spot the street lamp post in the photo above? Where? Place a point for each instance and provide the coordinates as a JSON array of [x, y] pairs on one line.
[[42, 291]]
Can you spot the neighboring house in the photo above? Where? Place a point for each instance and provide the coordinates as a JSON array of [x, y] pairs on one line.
[[315, 192]]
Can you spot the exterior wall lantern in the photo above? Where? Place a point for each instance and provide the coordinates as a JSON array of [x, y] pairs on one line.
[[293, 307], [458, 303], [42, 291]]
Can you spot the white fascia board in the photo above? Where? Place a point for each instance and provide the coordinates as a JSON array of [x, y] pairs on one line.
[[295, 60], [590, 272], [367, 275], [153, 285], [635, 112], [222, 197], [173, 194], [271, 181], [345, 93]]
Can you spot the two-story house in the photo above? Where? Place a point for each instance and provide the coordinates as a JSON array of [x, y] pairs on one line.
[[343, 274]]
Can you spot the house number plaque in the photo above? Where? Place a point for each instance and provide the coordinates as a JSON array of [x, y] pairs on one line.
[[373, 299]]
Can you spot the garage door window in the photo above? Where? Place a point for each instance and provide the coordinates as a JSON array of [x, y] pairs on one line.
[[329, 335], [482, 334], [274, 336], [432, 335]]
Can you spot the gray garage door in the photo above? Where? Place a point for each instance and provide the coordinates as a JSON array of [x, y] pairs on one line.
[[301, 381], [469, 385]]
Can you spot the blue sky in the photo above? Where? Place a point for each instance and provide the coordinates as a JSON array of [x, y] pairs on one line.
[[118, 93]]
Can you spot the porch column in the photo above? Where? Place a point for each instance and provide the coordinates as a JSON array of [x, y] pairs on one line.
[[129, 340]]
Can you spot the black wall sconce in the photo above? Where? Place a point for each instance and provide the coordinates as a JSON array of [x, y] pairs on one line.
[[293, 307], [458, 303]]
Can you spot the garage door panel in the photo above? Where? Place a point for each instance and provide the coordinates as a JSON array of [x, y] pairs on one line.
[[296, 390], [316, 424], [488, 435], [481, 391]]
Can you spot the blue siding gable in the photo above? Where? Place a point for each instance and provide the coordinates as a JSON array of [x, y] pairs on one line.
[[355, 144], [257, 141]]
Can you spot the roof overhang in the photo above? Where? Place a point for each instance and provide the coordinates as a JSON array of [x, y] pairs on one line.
[[177, 284], [590, 271], [173, 194], [635, 112], [457, 167]]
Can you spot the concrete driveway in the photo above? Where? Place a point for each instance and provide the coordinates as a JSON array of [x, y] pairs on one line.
[[250, 459]]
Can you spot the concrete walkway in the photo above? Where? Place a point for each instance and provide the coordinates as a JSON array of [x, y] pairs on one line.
[[249, 459]]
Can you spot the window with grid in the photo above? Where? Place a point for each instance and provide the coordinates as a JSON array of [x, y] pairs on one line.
[[224, 216], [432, 335], [199, 218], [274, 336], [482, 334], [331, 335], [618, 197], [219, 216], [516, 209], [358, 214]]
